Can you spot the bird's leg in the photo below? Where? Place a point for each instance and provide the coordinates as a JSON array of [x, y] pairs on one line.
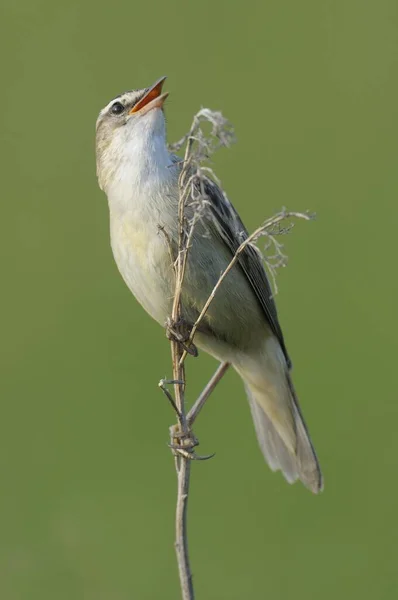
[[200, 402], [180, 331]]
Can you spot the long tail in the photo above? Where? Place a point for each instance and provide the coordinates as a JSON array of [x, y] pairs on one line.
[[279, 424]]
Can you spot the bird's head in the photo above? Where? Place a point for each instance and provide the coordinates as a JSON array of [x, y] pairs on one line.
[[129, 121]]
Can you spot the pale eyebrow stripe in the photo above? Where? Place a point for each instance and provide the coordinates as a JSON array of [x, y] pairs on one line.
[[124, 97]]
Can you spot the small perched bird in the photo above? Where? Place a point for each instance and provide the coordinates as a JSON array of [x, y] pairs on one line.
[[140, 178]]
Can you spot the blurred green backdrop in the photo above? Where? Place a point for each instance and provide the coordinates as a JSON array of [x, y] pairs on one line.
[[87, 482]]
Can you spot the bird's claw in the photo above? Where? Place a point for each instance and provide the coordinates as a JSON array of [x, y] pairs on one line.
[[184, 444], [178, 451], [180, 332]]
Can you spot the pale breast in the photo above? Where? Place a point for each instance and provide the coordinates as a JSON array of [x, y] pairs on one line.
[[142, 257]]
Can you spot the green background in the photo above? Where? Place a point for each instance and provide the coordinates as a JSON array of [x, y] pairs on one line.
[[87, 490]]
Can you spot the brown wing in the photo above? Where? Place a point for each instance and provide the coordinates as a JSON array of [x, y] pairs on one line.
[[228, 226]]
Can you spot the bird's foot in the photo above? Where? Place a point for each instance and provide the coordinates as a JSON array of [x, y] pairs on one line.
[[183, 444], [180, 332]]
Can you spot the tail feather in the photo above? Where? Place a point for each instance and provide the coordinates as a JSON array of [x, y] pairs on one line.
[[310, 470], [274, 450], [302, 463], [279, 424]]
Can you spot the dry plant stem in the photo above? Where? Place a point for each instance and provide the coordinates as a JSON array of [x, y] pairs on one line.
[[200, 402], [183, 466], [183, 441], [259, 232], [181, 433]]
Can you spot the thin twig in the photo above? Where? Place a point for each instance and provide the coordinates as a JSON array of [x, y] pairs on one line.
[[162, 384], [251, 239], [183, 467], [192, 194], [180, 434], [182, 439]]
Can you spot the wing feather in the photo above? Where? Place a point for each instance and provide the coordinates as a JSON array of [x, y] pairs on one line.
[[227, 224]]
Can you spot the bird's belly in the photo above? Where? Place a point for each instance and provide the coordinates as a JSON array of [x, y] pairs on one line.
[[144, 262], [142, 255]]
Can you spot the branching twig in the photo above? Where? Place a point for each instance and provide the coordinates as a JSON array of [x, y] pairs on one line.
[[264, 230], [191, 184], [182, 439]]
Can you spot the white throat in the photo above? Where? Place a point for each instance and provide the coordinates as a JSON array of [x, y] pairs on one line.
[[143, 166]]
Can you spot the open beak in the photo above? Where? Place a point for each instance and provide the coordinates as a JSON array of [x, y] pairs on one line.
[[153, 98]]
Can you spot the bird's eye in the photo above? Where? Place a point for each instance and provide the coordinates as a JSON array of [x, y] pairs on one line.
[[117, 108]]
